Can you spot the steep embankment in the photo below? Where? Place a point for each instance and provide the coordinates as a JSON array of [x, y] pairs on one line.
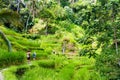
[[18, 41], [60, 37]]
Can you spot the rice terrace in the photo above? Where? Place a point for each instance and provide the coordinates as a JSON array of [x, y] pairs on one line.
[[59, 40]]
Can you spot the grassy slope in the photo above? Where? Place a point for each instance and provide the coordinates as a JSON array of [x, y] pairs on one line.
[[74, 69], [18, 42], [65, 69], [48, 43]]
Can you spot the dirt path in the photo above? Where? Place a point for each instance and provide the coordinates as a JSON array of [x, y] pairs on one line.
[[1, 77]]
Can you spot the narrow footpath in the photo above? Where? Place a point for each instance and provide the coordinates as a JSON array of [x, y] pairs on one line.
[[1, 76]]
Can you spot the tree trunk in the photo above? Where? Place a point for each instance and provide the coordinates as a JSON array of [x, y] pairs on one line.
[[46, 30], [64, 47], [72, 1], [18, 6], [58, 1], [115, 38], [7, 41], [33, 9], [10, 1], [115, 32], [26, 27], [93, 1]]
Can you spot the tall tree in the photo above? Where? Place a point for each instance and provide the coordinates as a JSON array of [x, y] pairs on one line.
[[114, 8], [8, 16], [19, 3]]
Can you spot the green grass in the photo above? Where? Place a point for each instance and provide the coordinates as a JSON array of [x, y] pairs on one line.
[[39, 74], [11, 58], [46, 66], [66, 73], [9, 74], [82, 74], [55, 67], [46, 63], [19, 42], [8, 31]]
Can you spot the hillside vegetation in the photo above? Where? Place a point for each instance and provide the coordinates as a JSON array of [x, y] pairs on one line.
[[72, 39]]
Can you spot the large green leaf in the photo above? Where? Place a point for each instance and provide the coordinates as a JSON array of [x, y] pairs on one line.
[[12, 17]]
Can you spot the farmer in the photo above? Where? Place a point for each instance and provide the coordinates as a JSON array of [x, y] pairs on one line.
[[28, 56], [34, 55]]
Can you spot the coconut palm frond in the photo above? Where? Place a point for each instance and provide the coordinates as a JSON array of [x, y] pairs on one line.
[[12, 17]]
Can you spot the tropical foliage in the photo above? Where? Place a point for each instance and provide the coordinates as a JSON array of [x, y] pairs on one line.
[[73, 39]]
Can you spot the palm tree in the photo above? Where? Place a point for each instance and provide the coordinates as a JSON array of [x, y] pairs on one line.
[[12, 17], [6, 40]]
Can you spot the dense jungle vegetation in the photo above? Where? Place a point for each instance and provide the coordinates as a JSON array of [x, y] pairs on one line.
[[73, 39]]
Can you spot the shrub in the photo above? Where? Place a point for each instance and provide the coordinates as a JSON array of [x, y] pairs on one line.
[[21, 70], [9, 73], [46, 63], [31, 36], [59, 59], [66, 73], [46, 13], [82, 74], [108, 65], [11, 58], [39, 74], [95, 76], [85, 74], [15, 73]]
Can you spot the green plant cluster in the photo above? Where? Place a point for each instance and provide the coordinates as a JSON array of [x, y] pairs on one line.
[[46, 63], [108, 65], [11, 58], [56, 67], [62, 27]]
